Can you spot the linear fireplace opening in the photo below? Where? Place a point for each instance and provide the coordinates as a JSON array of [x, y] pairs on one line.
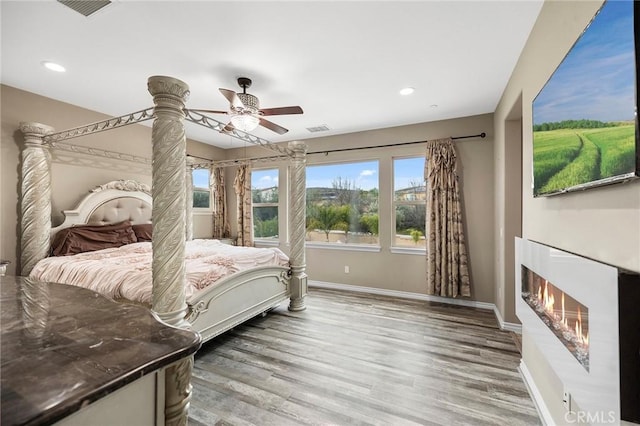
[[567, 318]]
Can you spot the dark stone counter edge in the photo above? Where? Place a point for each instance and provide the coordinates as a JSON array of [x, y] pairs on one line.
[[63, 410]]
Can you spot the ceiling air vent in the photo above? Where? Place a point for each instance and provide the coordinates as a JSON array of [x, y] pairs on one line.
[[320, 128], [85, 7]]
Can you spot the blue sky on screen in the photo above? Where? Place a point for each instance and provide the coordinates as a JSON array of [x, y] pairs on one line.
[[596, 80]]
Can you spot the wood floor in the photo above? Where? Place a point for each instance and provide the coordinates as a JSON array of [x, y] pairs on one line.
[[354, 359]]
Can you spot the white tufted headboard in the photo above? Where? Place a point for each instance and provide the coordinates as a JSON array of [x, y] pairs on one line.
[[125, 208], [110, 203]]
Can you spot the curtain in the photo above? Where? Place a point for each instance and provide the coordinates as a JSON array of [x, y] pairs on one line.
[[242, 185], [221, 227], [447, 268]]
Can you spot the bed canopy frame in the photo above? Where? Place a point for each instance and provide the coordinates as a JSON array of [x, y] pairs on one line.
[[171, 194]]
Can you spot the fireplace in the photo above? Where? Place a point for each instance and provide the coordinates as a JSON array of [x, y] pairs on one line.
[[567, 318], [584, 316]]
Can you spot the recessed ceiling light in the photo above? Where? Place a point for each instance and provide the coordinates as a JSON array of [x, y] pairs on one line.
[[434, 106], [407, 91], [53, 66]]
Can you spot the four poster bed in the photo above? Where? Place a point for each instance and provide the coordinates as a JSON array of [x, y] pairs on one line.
[[95, 248], [210, 310]]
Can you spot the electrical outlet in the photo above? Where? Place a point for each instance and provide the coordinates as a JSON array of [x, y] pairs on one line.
[[566, 400], [346, 269]]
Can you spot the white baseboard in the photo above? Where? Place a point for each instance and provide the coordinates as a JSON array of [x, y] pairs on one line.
[[401, 294], [508, 326], [536, 396]]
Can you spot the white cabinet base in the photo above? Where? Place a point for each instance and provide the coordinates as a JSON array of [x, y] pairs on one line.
[[139, 403]]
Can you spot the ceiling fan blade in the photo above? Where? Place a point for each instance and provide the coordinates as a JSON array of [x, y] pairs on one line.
[[273, 126], [232, 97], [228, 128], [210, 111], [282, 110]]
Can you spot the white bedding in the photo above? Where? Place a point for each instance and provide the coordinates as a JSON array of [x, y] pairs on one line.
[[125, 272]]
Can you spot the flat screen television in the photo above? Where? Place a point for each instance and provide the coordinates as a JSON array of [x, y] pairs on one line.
[[585, 121]]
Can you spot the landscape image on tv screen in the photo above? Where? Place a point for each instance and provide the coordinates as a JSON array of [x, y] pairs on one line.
[[585, 117]]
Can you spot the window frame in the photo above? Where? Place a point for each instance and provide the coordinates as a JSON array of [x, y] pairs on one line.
[[202, 210], [395, 203], [267, 241], [363, 247]]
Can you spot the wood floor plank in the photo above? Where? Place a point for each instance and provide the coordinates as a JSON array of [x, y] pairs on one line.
[[356, 359]]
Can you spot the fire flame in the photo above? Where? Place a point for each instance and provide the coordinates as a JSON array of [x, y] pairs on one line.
[[582, 338], [547, 300], [540, 293]]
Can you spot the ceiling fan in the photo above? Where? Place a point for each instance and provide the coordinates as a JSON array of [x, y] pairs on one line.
[[245, 111]]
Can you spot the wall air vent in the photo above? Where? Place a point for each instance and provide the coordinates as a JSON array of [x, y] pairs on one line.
[[85, 7], [320, 128]]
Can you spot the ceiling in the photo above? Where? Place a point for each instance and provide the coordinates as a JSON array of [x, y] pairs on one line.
[[343, 62]]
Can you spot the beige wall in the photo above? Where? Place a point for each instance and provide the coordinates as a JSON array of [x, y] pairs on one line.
[[405, 272], [602, 223], [508, 218], [73, 175]]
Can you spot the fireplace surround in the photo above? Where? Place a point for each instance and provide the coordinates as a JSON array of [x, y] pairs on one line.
[[592, 340]]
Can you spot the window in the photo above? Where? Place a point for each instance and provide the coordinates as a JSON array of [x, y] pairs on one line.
[[342, 203], [264, 194], [409, 202], [201, 192]]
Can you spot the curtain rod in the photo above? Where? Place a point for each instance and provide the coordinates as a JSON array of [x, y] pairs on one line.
[[479, 135], [200, 158]]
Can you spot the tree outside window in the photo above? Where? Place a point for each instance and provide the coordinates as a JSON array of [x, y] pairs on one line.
[[409, 201], [264, 195], [342, 203]]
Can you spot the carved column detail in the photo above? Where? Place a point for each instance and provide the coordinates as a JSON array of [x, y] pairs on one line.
[[178, 392], [189, 198], [297, 228], [168, 192], [35, 218]]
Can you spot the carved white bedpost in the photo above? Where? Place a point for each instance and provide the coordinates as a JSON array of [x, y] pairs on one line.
[[297, 226], [168, 270], [35, 220], [189, 198]]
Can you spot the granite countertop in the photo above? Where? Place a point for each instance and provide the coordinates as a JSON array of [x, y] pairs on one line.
[[63, 347]]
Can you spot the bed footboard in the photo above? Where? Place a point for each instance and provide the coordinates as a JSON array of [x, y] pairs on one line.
[[236, 299]]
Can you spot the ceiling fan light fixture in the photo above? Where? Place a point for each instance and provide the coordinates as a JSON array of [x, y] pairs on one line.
[[245, 122]]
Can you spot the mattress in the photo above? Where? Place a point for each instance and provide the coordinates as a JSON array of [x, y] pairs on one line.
[[125, 272]]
